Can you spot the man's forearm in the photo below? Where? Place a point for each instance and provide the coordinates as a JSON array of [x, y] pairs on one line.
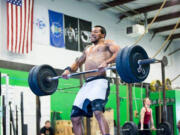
[[74, 67], [79, 61]]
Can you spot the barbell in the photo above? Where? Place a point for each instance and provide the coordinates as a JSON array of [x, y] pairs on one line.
[[130, 128], [132, 65]]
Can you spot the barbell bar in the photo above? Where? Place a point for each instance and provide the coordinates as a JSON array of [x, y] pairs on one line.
[[144, 130], [132, 65], [140, 62], [130, 128], [80, 73]]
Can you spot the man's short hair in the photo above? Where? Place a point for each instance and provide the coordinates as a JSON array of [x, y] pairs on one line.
[[103, 30], [47, 121]]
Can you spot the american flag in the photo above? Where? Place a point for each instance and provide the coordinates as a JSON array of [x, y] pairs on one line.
[[19, 25]]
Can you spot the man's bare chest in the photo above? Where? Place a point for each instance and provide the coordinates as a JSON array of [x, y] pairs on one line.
[[101, 49]]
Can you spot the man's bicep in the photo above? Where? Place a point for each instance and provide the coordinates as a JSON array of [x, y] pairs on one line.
[[78, 62], [82, 58], [114, 48]]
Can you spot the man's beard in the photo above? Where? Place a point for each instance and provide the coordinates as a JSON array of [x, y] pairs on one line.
[[95, 41]]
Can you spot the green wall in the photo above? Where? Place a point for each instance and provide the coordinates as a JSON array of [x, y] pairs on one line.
[[62, 100], [18, 78], [177, 109]]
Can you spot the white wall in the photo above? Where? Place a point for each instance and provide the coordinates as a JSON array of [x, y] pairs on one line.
[[29, 101], [60, 58], [174, 67]]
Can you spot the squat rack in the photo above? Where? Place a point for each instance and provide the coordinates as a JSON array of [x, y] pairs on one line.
[[163, 63]]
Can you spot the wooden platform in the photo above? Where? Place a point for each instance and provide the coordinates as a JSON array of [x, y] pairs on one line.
[[94, 127], [63, 127]]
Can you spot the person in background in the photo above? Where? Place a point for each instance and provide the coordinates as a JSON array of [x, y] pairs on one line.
[[146, 118], [47, 129]]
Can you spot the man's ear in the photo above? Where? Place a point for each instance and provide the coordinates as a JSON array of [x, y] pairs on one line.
[[103, 35]]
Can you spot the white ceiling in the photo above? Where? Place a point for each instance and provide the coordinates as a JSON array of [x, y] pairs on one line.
[[142, 3]]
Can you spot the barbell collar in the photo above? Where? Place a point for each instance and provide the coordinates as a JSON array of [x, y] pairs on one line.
[[146, 61], [164, 60]]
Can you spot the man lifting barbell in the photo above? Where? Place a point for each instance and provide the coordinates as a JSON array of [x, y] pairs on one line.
[[132, 65], [93, 95]]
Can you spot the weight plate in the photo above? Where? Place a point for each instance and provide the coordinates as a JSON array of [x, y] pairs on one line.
[[32, 85], [131, 58], [166, 129], [38, 80], [130, 128], [120, 66]]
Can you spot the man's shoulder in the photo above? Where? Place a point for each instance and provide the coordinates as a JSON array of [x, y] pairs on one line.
[[109, 42], [43, 129]]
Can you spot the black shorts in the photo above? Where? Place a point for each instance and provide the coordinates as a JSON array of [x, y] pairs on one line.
[[89, 106]]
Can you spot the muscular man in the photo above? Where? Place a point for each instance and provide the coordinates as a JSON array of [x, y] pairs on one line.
[[93, 95]]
